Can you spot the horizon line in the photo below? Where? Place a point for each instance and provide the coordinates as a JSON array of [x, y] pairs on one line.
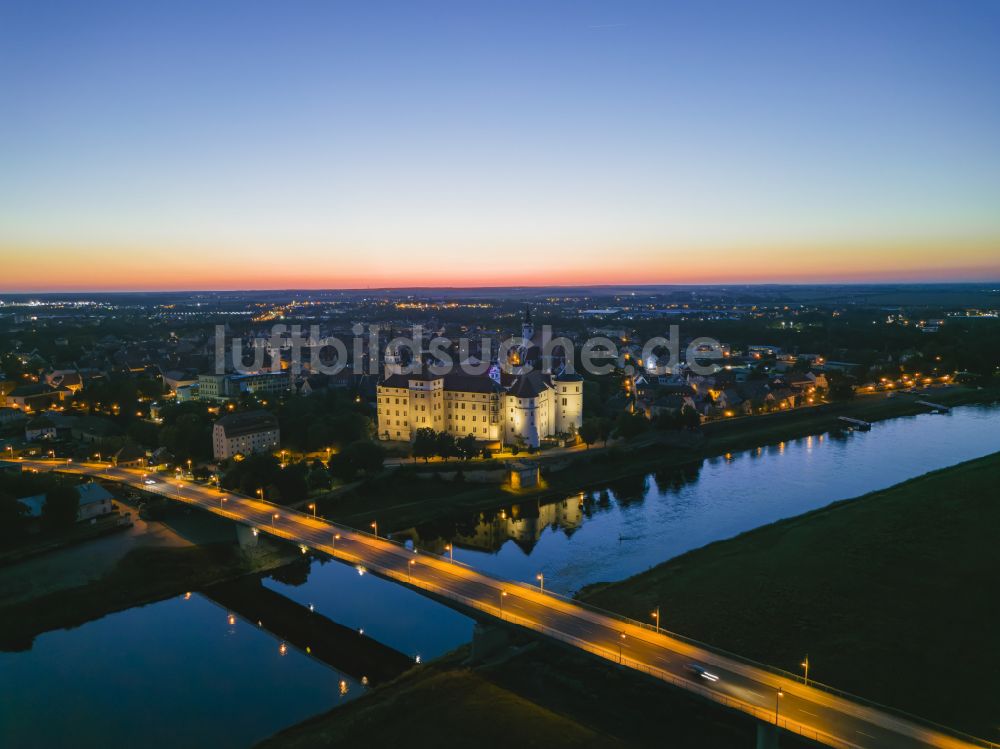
[[645, 286]]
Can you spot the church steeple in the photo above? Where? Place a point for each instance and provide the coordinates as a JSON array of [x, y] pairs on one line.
[[527, 329]]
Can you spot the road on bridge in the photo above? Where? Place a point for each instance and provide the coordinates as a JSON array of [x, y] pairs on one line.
[[833, 719]]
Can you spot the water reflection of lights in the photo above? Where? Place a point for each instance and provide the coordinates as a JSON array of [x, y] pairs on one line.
[[187, 596], [231, 619], [283, 649], [361, 570], [343, 687]]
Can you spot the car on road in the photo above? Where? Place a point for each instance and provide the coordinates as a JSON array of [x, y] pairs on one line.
[[696, 669]]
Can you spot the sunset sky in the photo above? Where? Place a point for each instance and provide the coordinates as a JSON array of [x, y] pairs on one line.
[[222, 145]]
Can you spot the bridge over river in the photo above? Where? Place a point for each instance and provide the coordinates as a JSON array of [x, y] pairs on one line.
[[773, 697]]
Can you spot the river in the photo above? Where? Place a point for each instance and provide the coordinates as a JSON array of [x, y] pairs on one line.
[[187, 672]]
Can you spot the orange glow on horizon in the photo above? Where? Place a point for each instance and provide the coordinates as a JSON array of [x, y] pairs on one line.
[[116, 269]]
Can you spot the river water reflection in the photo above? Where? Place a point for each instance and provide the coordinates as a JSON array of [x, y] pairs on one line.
[[636, 523]]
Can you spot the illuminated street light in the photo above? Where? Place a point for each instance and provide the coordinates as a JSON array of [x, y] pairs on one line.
[[312, 506], [621, 643], [541, 581], [503, 594], [273, 518], [334, 543], [221, 500], [777, 702], [805, 665], [260, 492], [409, 570], [656, 618], [375, 528], [451, 552]]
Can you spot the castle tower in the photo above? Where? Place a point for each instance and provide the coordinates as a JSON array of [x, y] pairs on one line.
[[392, 361], [527, 328], [568, 403]]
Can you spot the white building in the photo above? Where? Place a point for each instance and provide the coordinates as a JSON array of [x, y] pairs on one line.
[[525, 403], [245, 433], [528, 406]]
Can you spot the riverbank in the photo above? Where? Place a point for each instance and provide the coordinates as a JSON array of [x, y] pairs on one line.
[[140, 576], [399, 500], [891, 595]]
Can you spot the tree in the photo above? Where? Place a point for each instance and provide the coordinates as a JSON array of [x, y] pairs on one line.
[[605, 428], [841, 389], [424, 444], [11, 516], [318, 477], [62, 503], [365, 456], [291, 483], [444, 445], [631, 425], [341, 467], [590, 431], [689, 418], [466, 447]]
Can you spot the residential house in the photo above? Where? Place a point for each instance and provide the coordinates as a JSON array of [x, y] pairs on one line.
[[39, 428], [95, 502]]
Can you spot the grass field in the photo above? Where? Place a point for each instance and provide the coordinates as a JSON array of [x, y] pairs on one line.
[[892, 596]]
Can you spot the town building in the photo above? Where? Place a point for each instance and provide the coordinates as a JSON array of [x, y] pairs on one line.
[[95, 502], [245, 433], [220, 387]]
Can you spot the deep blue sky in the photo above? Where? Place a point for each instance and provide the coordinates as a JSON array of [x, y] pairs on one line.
[[651, 141]]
